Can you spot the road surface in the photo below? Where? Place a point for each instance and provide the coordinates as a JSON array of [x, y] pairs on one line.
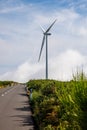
[[15, 113]]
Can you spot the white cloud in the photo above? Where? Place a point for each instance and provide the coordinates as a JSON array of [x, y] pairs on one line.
[[59, 68], [68, 22], [23, 73], [7, 10], [62, 66]]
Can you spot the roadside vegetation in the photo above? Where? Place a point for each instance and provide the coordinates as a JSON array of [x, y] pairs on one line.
[[58, 105], [6, 83]]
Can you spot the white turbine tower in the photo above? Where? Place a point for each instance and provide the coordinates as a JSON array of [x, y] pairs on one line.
[[45, 37]]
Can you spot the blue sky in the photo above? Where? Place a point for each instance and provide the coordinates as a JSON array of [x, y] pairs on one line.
[[21, 37]]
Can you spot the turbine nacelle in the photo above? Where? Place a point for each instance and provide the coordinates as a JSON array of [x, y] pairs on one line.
[[47, 33]]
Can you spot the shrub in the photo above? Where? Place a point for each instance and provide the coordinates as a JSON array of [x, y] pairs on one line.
[[59, 105]]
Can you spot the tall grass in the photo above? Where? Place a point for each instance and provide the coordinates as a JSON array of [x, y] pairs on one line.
[[59, 105]]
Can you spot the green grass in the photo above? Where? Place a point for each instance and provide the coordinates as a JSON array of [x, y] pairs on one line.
[[59, 105], [6, 83]]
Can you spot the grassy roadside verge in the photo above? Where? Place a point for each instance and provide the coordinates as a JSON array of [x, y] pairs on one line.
[[4, 84], [59, 105]]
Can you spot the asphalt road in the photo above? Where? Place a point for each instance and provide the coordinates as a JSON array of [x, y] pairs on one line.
[[15, 113]]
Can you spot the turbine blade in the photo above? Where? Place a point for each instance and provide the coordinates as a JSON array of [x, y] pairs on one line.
[[41, 47], [42, 29], [51, 26]]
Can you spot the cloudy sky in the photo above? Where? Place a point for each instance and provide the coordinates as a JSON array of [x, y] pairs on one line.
[[21, 38]]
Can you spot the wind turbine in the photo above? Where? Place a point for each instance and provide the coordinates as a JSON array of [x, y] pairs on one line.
[[45, 37]]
